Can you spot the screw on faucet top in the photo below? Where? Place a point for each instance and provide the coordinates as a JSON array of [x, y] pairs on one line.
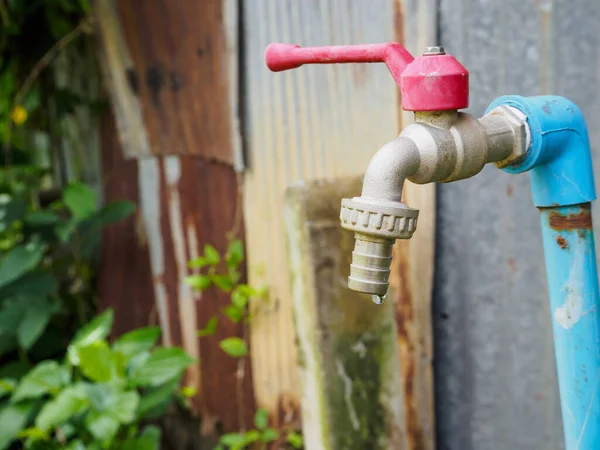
[[434, 51]]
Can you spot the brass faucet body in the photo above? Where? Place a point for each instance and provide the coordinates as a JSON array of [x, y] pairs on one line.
[[441, 146]]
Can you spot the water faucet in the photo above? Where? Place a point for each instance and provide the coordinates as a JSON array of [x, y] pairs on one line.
[[545, 136], [442, 145]]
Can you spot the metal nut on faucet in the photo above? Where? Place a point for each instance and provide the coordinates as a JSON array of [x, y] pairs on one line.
[[391, 220], [376, 224], [521, 133]]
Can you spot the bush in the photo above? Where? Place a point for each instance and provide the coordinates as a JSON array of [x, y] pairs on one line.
[[97, 396]]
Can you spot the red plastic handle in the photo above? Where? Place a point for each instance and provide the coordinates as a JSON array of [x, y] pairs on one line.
[[435, 82], [288, 56]]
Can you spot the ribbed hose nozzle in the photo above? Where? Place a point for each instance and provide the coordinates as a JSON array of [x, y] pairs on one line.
[[370, 268]]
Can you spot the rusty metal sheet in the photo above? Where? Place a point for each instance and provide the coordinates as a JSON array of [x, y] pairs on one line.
[[316, 122], [182, 72], [182, 55], [187, 202], [124, 275]]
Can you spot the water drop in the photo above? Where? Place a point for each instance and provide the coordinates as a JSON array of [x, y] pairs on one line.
[[378, 299]]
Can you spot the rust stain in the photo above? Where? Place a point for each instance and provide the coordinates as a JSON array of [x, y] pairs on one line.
[[512, 264], [405, 320], [185, 102], [207, 192], [580, 220], [562, 242], [124, 273], [509, 190]]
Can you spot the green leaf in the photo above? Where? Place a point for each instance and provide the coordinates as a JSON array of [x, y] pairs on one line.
[[19, 260], [148, 440], [125, 407], [11, 211], [75, 445], [157, 398], [162, 365], [96, 361], [223, 282], [251, 436], [34, 322], [269, 435], [116, 211], [234, 313], [240, 296], [45, 377], [261, 419], [137, 341], [33, 433], [235, 254], [33, 284], [64, 230], [200, 282], [12, 313], [197, 263], [94, 331], [211, 255], [8, 343], [31, 101], [235, 441], [71, 402], [210, 327], [12, 419], [41, 217], [7, 386], [102, 427], [295, 439], [80, 200], [234, 346]]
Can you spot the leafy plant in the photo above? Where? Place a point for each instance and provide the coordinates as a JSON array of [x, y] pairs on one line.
[[97, 396], [227, 279], [46, 264]]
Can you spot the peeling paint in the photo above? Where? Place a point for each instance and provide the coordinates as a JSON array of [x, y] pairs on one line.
[[569, 313], [149, 189]]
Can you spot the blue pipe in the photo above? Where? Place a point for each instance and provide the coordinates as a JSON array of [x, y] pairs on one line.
[[562, 183]]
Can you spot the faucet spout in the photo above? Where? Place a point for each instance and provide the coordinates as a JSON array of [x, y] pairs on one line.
[[441, 146]]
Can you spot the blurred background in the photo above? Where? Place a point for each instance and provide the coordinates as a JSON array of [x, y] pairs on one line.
[[162, 287]]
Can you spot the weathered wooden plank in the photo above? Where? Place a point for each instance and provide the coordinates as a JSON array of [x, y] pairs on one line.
[[411, 277], [314, 122], [348, 348]]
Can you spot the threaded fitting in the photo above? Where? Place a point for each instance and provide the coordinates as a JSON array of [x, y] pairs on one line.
[[370, 268]]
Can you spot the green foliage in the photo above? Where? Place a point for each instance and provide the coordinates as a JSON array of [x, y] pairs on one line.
[[46, 266], [29, 31], [234, 346], [97, 397], [237, 311]]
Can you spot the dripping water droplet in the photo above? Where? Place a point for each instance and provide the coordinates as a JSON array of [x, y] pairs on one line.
[[378, 299]]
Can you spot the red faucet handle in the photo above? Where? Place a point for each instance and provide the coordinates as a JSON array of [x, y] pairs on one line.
[[288, 56], [433, 81]]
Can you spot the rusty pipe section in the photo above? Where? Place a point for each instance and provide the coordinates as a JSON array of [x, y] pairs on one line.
[[441, 146]]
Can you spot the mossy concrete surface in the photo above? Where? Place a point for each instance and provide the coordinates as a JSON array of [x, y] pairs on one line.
[[351, 385]]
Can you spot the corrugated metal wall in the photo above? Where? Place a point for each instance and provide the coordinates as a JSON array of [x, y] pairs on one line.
[[495, 375]]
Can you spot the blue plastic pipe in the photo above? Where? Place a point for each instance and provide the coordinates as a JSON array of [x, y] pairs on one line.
[[562, 185]]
